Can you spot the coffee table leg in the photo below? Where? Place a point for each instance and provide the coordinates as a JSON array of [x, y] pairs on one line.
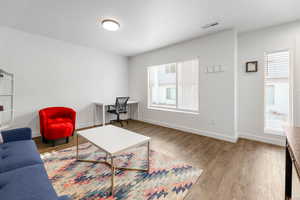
[[112, 176], [112, 165], [148, 156]]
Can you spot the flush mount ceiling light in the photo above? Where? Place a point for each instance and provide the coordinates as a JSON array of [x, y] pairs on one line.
[[110, 24]]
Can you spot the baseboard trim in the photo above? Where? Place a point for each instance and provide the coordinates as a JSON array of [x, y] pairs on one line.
[[85, 124], [280, 140], [275, 140], [206, 133]]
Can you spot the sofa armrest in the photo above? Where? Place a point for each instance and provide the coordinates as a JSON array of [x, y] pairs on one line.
[[16, 135], [65, 197]]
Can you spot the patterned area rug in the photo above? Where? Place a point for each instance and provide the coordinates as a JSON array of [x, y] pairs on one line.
[[168, 179]]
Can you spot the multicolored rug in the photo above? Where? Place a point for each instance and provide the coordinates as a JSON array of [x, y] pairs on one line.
[[168, 179]]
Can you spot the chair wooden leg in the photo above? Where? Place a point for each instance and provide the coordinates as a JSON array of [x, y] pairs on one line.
[[53, 143], [67, 140]]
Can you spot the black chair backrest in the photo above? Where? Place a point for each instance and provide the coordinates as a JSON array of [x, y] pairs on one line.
[[121, 104]]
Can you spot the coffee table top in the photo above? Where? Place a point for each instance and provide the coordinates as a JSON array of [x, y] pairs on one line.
[[112, 139]]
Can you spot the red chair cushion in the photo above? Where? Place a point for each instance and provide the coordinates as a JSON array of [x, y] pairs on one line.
[[59, 130]]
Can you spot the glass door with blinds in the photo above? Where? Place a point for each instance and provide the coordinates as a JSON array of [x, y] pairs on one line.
[[277, 90]]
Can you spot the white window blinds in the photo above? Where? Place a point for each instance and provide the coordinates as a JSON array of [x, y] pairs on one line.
[[277, 65]]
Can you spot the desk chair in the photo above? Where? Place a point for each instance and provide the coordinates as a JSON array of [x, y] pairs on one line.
[[119, 108]]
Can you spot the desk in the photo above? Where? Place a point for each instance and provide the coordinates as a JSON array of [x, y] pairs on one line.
[[292, 158], [106, 104]]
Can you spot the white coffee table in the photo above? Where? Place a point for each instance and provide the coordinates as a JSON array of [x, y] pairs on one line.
[[113, 140]]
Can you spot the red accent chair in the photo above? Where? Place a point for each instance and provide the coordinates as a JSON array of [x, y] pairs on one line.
[[57, 123]]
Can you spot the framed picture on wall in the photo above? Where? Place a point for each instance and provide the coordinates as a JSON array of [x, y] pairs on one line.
[[251, 66]]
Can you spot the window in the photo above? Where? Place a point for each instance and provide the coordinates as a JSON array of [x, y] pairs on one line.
[[171, 93], [277, 90], [174, 86], [270, 90]]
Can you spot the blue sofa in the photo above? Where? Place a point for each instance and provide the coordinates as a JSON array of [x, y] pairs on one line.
[[22, 172]]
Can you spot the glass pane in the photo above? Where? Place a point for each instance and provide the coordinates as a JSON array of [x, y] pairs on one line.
[[171, 93], [270, 94], [188, 85], [162, 83], [277, 90]]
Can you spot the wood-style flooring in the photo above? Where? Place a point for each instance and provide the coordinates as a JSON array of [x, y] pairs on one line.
[[246, 170]]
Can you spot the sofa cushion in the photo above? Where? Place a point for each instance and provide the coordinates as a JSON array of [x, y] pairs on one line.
[[18, 154], [27, 183], [14, 135]]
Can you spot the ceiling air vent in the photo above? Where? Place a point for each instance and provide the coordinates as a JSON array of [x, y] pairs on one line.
[[210, 25]]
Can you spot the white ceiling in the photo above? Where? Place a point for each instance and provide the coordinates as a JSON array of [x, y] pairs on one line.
[[145, 24]]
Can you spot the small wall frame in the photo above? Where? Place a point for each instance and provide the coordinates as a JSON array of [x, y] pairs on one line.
[[251, 66]]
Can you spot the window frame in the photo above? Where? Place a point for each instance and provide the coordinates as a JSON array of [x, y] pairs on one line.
[[167, 107], [290, 119]]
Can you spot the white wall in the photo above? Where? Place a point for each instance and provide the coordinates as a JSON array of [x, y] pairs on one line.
[[217, 90], [54, 73], [223, 97], [49, 72], [253, 46]]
